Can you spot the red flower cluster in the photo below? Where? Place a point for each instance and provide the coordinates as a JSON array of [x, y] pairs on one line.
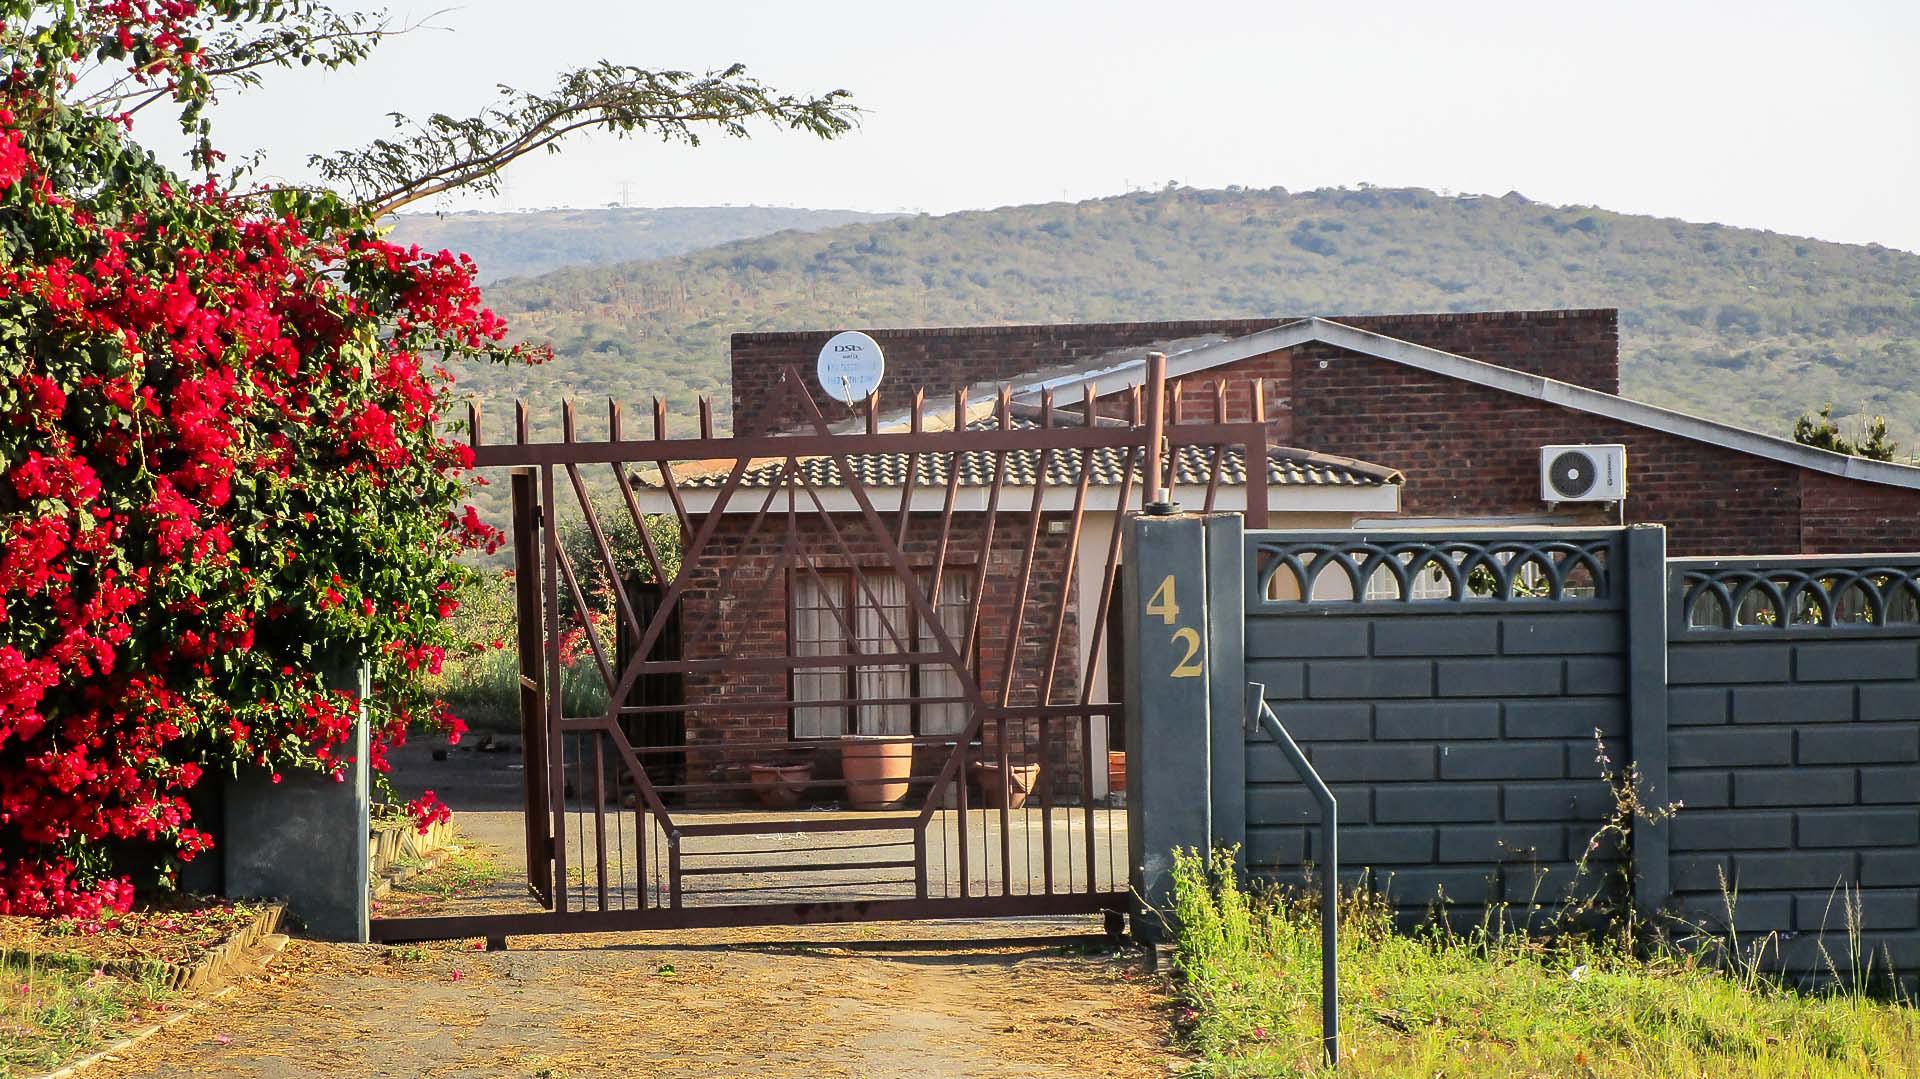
[[220, 480]]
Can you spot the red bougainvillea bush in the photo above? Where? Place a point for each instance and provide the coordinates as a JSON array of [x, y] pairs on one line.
[[220, 475]]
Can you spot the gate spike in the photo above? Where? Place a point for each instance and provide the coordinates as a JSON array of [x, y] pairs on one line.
[[1046, 407], [566, 419], [521, 426], [706, 417], [659, 419], [1220, 401], [1087, 403], [960, 409], [1133, 406], [1176, 394], [873, 412], [919, 404], [613, 420], [1259, 389], [473, 422], [1005, 407]]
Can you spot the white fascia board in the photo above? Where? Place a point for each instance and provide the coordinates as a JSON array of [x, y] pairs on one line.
[[1480, 373], [1304, 498]]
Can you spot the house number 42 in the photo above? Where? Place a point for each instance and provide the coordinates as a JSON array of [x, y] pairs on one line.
[[1166, 604]]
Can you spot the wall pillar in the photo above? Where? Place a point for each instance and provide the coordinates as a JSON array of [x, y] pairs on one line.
[[1227, 682], [1184, 747], [304, 839], [1646, 614]]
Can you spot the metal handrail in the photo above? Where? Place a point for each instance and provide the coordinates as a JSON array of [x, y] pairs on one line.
[[1260, 717]]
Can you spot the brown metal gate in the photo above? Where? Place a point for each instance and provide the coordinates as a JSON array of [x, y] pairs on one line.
[[869, 660]]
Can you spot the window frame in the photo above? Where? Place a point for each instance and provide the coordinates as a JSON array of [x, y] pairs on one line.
[[849, 678]]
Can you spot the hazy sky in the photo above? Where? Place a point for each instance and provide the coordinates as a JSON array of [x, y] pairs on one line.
[[1800, 118]]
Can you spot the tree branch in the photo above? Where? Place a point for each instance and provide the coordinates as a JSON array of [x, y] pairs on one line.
[[443, 153]]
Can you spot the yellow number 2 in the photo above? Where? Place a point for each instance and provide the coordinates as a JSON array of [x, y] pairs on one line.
[[1189, 665], [1162, 603]]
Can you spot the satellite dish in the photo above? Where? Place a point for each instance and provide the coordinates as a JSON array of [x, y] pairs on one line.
[[850, 366]]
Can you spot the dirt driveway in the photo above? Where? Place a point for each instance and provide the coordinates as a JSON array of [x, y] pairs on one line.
[[1043, 998], [922, 1000]]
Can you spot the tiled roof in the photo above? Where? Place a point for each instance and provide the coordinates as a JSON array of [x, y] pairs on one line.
[[1192, 466]]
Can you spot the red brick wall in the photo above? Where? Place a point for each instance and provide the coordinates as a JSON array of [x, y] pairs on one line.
[[1573, 346], [736, 606], [1842, 516], [1470, 451]]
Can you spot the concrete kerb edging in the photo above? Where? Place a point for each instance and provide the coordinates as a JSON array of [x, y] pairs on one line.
[[272, 943]]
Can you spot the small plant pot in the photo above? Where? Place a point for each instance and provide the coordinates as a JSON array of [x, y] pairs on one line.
[[1011, 790], [876, 770], [780, 786], [1117, 771]]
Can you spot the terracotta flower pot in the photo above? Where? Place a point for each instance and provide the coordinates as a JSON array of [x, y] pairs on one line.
[[1012, 790], [876, 769], [1117, 770], [779, 786]]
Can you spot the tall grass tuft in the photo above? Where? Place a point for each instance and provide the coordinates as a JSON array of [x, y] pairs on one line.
[[1493, 1001]]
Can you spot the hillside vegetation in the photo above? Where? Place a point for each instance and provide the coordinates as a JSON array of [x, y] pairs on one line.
[[1742, 325], [523, 244]]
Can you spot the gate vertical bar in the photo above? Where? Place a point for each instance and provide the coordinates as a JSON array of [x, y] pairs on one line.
[[556, 740], [532, 684], [600, 818]]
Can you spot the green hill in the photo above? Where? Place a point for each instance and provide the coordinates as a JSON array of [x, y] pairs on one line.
[[522, 244], [1742, 325]]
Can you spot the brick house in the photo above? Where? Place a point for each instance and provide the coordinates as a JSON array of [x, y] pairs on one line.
[[1420, 419], [1459, 404]]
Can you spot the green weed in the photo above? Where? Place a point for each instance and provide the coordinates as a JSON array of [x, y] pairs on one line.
[[50, 1014], [464, 870]]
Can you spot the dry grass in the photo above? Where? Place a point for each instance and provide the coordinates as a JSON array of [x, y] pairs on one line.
[[181, 931]]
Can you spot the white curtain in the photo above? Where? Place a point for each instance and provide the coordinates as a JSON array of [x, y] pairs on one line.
[[883, 627], [939, 679], [818, 631]]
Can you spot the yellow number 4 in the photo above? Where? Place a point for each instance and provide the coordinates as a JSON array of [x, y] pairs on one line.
[[1162, 602]]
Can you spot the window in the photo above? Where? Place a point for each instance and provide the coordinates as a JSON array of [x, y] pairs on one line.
[[883, 698]]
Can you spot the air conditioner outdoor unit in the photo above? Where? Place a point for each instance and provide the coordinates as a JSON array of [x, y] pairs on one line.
[[1583, 473]]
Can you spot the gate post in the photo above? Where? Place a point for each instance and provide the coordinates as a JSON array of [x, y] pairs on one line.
[[1179, 630], [304, 839]]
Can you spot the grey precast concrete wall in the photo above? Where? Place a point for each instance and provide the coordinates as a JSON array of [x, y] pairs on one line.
[[1795, 744], [1454, 713]]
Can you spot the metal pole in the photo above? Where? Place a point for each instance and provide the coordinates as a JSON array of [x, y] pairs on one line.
[[1156, 427], [1259, 714]]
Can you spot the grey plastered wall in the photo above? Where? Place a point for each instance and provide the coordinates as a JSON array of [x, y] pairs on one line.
[[304, 839], [1169, 748], [1794, 708], [1457, 733]]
